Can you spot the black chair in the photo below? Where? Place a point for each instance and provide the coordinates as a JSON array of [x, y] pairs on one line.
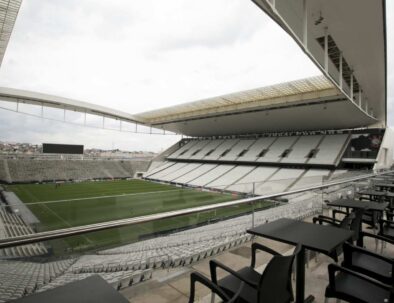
[[390, 214], [368, 263], [386, 228], [344, 223], [352, 220], [371, 218], [356, 224], [197, 277], [273, 285], [377, 237], [351, 286]]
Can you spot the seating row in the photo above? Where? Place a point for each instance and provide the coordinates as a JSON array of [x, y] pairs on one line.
[[11, 225], [241, 178], [35, 170], [312, 149]]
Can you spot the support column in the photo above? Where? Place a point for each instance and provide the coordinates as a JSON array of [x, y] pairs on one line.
[[326, 50], [351, 86], [360, 98], [340, 70], [305, 24]]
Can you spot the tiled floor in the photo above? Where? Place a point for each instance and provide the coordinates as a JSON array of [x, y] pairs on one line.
[[172, 286]]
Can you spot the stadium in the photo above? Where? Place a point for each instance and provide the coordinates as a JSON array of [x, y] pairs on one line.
[[78, 227]]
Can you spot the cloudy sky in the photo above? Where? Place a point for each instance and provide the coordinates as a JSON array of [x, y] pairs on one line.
[[141, 55]]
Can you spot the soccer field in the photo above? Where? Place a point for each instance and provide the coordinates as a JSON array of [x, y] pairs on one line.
[[75, 204]]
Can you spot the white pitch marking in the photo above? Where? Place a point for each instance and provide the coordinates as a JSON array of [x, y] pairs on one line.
[[102, 197]]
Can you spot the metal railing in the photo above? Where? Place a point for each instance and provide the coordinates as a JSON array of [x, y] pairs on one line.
[[72, 231]]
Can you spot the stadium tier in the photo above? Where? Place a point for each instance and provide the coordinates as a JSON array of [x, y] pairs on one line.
[[266, 164], [312, 150], [37, 170]]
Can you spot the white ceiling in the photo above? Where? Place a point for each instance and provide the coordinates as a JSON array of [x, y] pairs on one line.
[[357, 27], [320, 116]]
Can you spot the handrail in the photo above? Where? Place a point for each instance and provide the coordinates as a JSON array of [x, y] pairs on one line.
[[77, 230]]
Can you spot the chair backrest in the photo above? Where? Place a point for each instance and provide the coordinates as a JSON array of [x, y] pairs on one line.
[[346, 221], [275, 283], [197, 277]]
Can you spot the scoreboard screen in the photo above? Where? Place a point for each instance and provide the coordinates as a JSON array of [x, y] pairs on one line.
[[48, 148]]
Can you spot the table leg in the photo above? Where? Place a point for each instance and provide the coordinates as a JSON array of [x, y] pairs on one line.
[[300, 278]]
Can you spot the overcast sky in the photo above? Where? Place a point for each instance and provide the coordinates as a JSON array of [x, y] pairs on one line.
[[141, 55]]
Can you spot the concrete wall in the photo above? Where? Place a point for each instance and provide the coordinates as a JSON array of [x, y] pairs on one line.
[[385, 158]]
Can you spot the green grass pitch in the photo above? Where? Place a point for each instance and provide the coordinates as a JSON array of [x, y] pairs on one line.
[[75, 204]]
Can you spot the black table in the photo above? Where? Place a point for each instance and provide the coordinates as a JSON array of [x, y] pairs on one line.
[[375, 194], [320, 238], [384, 186], [90, 290], [383, 179], [351, 203]]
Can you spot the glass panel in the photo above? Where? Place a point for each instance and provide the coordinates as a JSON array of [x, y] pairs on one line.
[[129, 255], [8, 105]]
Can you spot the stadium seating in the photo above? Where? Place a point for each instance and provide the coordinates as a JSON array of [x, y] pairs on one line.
[[207, 149], [281, 181], [36, 170], [168, 170], [238, 149], [159, 167], [254, 165], [312, 177], [18, 278], [11, 225], [257, 176], [330, 149], [211, 175], [4, 171], [277, 148], [247, 179], [222, 150], [302, 148], [180, 172], [183, 149], [257, 149], [194, 150], [231, 177], [306, 149], [194, 174]]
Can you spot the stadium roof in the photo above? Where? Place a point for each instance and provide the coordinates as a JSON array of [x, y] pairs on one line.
[[345, 39], [284, 93], [8, 12], [307, 104], [45, 100]]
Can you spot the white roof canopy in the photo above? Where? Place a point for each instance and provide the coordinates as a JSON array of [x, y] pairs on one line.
[[273, 95], [306, 104], [8, 12]]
